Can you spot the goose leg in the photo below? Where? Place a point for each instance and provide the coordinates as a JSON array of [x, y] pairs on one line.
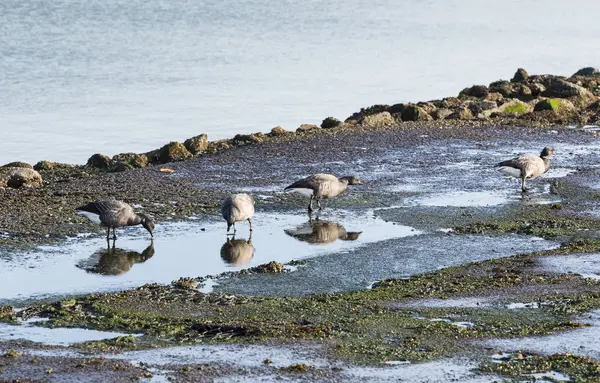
[[114, 234], [250, 222], [319, 204], [310, 204], [523, 188], [108, 233], [234, 229]]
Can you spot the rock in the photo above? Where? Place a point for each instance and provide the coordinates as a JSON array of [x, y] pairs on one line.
[[481, 106], [173, 151], [478, 91], [512, 108], [594, 119], [441, 113], [564, 89], [494, 96], [450, 102], [19, 177], [99, 161], [196, 144], [379, 119], [415, 113], [520, 75], [278, 131], [126, 161], [461, 113], [505, 88], [217, 146], [536, 89], [17, 164], [373, 109], [587, 71], [427, 106], [47, 165], [330, 123], [557, 105], [271, 267], [523, 93], [306, 128], [248, 138]]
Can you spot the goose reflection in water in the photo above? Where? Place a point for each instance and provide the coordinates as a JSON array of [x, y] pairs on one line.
[[115, 261], [322, 232], [237, 251]]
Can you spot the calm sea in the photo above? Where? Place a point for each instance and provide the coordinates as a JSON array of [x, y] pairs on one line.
[[84, 76]]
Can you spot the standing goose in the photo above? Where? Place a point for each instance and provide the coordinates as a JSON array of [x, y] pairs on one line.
[[527, 166], [113, 214], [320, 186], [238, 207]]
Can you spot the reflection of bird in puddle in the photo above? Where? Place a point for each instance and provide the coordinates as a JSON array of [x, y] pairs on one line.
[[237, 251], [321, 232], [115, 261]]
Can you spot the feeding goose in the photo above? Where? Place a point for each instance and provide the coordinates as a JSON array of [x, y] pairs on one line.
[[527, 166], [112, 214], [238, 207], [320, 186]]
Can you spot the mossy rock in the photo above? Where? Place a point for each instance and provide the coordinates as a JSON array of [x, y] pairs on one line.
[[217, 146], [48, 166], [330, 123], [462, 113], [17, 164], [279, 131], [520, 75], [371, 110], [171, 152], [99, 161], [450, 102], [481, 106], [271, 267], [559, 88], [379, 119], [556, 105], [243, 139], [505, 88], [427, 106], [132, 159], [304, 128], [19, 177], [197, 144], [441, 113], [513, 108]]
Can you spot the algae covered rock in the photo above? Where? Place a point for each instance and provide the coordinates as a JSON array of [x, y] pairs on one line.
[[505, 88], [17, 164], [379, 119], [248, 138], [441, 113], [19, 177], [520, 75], [513, 108], [371, 110], [564, 89], [482, 106], [330, 123], [556, 105], [271, 267], [415, 113], [278, 131], [171, 152], [461, 113], [126, 161], [306, 128], [48, 165], [587, 71], [197, 144], [99, 161]]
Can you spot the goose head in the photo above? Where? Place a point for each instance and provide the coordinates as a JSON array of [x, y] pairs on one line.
[[350, 180], [147, 223], [547, 152]]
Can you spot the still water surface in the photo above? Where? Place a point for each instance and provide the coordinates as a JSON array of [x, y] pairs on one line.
[[85, 76]]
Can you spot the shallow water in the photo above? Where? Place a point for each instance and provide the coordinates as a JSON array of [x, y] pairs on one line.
[[52, 336], [192, 249], [586, 265]]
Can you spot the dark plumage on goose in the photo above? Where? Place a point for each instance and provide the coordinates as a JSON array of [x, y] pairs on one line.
[[527, 166], [112, 214], [320, 186]]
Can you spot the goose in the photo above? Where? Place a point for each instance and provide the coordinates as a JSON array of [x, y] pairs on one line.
[[237, 207], [320, 186], [115, 261], [237, 251], [113, 214], [322, 232], [527, 166]]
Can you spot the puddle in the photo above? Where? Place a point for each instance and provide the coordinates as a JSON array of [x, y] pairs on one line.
[[575, 341], [190, 249], [586, 265], [518, 306], [476, 302], [551, 376], [461, 199], [52, 336]]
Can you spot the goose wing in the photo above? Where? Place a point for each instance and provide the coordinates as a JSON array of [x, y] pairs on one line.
[[111, 212], [529, 165]]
